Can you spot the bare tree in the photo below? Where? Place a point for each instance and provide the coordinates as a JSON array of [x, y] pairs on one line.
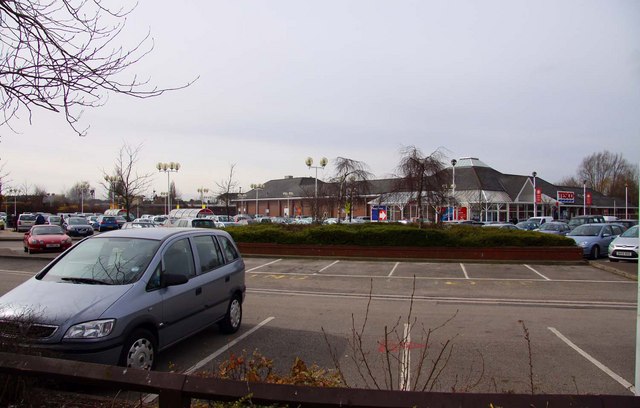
[[351, 179], [62, 56], [603, 170], [226, 187], [79, 188], [608, 173], [124, 181], [423, 176]]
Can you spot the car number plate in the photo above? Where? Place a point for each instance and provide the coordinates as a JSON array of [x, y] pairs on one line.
[[624, 253], [53, 245]]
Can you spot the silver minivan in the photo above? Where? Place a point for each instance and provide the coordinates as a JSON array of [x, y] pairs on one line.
[[123, 296]]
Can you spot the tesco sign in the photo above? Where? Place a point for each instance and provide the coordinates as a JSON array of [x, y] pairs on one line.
[[566, 197]]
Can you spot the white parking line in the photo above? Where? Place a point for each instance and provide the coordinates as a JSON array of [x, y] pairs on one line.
[[221, 350], [436, 278], [446, 299], [543, 277], [393, 269], [268, 263], [464, 270], [149, 398], [595, 362], [327, 267]]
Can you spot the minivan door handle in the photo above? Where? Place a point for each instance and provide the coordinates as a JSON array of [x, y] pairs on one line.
[[198, 291], [227, 278]]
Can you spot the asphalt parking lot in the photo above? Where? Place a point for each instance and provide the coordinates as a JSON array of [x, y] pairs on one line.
[[580, 319]]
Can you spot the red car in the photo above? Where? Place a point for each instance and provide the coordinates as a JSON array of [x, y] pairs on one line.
[[41, 238]]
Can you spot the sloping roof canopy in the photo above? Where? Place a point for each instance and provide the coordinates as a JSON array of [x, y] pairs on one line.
[[190, 212]]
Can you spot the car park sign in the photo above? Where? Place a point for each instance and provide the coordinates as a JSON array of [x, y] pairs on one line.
[[379, 213], [566, 197]]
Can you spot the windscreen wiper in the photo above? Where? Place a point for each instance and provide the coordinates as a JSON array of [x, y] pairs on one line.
[[86, 280]]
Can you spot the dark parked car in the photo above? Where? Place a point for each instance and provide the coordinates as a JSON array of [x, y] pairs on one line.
[[77, 227], [107, 223], [585, 219], [123, 296], [554, 227], [527, 225], [627, 223], [502, 225]]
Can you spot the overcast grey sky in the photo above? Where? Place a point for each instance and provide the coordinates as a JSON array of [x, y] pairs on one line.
[[521, 85]]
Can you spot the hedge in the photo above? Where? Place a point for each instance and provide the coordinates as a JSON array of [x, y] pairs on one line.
[[376, 234]]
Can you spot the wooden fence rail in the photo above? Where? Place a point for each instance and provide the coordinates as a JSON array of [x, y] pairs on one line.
[[177, 390]]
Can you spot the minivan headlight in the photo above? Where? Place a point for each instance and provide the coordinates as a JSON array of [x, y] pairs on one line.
[[90, 330]]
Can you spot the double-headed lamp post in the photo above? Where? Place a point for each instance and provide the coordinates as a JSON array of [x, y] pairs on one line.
[[323, 164], [168, 168], [257, 187], [453, 188], [202, 192], [288, 194], [535, 204]]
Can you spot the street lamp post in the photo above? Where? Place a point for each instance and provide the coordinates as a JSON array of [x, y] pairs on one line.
[[14, 192], [168, 168], [584, 197], [257, 187], [323, 164], [112, 180], [535, 204], [288, 194], [626, 201], [453, 188], [166, 198], [242, 196], [83, 190], [202, 192]]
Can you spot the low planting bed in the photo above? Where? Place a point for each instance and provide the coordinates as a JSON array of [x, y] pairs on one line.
[[377, 240]]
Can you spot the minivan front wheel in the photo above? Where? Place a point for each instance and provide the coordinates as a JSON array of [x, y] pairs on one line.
[[139, 351], [233, 318], [595, 252]]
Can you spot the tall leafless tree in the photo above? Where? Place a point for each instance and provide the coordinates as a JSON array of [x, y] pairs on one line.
[[226, 187], [608, 173], [63, 56], [602, 170], [78, 189], [423, 176], [351, 178], [124, 181]]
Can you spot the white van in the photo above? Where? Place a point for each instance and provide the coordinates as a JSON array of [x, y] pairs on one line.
[[540, 220]]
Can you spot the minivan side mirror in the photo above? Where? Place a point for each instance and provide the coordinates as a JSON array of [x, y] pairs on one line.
[[172, 279]]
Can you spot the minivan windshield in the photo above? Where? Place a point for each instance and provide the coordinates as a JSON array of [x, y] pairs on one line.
[[105, 261]]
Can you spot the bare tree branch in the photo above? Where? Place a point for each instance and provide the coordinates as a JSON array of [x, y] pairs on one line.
[[61, 56]]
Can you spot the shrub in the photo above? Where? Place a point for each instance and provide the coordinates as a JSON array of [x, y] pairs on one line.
[[383, 234]]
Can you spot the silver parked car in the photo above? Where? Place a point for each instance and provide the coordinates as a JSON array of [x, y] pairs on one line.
[[594, 239], [123, 296], [625, 247]]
